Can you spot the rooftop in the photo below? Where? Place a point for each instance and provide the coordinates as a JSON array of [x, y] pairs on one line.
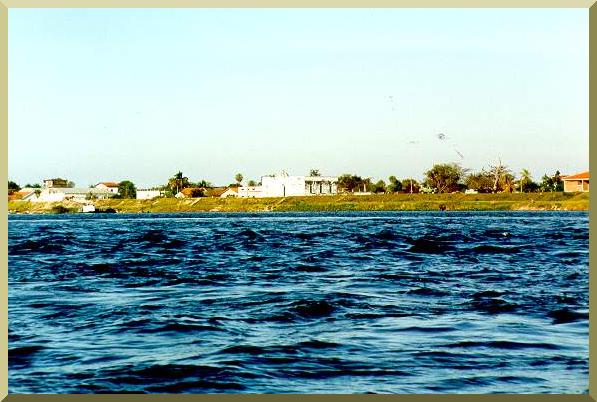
[[578, 176]]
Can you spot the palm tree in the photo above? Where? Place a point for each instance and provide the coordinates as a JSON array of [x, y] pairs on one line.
[[178, 182], [238, 178], [525, 176]]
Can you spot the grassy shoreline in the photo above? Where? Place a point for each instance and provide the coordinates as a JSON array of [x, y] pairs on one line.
[[343, 202]]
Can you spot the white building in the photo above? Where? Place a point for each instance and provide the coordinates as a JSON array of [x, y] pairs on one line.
[[54, 194], [148, 194], [109, 186], [250, 191], [284, 185]]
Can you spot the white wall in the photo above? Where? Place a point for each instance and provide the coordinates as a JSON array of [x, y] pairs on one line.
[[250, 192], [148, 194], [282, 186], [47, 195]]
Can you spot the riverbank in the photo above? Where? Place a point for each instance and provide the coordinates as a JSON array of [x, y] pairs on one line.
[[344, 202]]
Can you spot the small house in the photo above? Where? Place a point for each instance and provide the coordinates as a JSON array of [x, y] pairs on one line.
[[109, 186], [576, 183], [230, 192]]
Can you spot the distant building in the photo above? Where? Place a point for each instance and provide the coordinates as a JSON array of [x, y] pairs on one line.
[[24, 194], [58, 182], [215, 191], [148, 193], [249, 191], [54, 194], [284, 185], [230, 192], [108, 185], [190, 192], [576, 182]]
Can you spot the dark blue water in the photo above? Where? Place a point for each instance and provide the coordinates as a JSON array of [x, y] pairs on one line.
[[301, 303]]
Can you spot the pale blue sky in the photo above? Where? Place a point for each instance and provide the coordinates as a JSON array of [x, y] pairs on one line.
[[133, 94]]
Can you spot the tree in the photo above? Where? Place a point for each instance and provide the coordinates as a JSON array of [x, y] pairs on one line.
[[70, 184], [127, 189], [497, 173], [177, 183], [203, 184], [394, 186], [13, 187], [379, 187], [444, 177], [36, 185], [525, 177], [558, 182], [251, 183], [314, 173], [238, 178], [552, 183], [481, 182], [410, 186], [350, 182], [506, 183], [197, 192]]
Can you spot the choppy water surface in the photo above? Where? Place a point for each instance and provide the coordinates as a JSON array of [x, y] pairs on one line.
[[317, 303]]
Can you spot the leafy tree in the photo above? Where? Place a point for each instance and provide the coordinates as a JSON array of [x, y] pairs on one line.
[[410, 186], [314, 172], [197, 192], [552, 183], [352, 183], [394, 186], [481, 182], [238, 178], [203, 184], [251, 183], [127, 189], [177, 183], [70, 184], [36, 185], [13, 187], [379, 187], [444, 178]]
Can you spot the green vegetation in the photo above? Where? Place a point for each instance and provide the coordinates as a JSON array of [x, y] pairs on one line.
[[176, 183], [345, 202], [13, 187], [444, 178], [127, 189]]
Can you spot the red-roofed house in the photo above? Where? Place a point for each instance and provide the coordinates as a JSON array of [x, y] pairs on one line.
[[25, 194], [576, 182]]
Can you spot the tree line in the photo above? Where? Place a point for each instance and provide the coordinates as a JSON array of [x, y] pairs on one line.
[[452, 177], [441, 178]]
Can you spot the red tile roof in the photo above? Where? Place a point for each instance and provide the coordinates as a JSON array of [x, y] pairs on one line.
[[20, 194], [578, 176]]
